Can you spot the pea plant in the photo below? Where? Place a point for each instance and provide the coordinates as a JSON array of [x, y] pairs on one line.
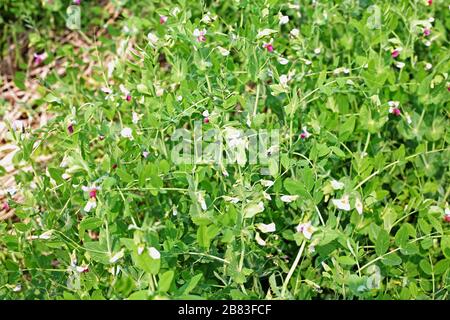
[[256, 149]]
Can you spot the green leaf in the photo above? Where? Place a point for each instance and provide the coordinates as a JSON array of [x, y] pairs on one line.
[[191, 284], [90, 223], [391, 259], [165, 280], [445, 246], [145, 262], [382, 242], [346, 260], [425, 266]]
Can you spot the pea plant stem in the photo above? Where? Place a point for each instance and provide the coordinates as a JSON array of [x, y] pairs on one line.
[[292, 269], [393, 164]]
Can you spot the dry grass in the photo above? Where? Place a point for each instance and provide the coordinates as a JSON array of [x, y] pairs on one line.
[[22, 110]]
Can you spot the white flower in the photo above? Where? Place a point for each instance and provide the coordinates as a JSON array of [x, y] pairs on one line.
[[225, 172], [295, 32], [283, 19], [288, 199], [393, 104], [174, 210], [17, 125], [265, 32], [111, 66], [124, 90], [431, 19], [91, 204], [305, 134], [17, 288], [153, 38], [11, 191], [307, 62], [163, 19], [427, 43], [106, 90], [46, 235], [399, 64], [253, 209], [117, 256], [284, 79], [223, 51], [336, 185], [207, 18], [154, 253], [266, 228], [199, 33], [81, 269], [358, 205], [346, 70], [343, 203], [159, 91], [136, 117], [259, 240], [317, 50], [428, 66], [179, 98], [201, 201], [205, 113], [306, 228], [267, 183], [283, 61], [273, 149], [231, 199], [127, 133], [140, 249]]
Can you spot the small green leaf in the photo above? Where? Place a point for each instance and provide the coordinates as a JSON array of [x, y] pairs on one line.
[[382, 242], [165, 280]]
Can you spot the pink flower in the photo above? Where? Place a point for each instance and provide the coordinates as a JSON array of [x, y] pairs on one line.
[[82, 269], [395, 53], [162, 19], [70, 128], [145, 154], [268, 46], [200, 34], [426, 32], [394, 107], [38, 58], [92, 191], [305, 134], [106, 90], [125, 92], [447, 218], [77, 2], [430, 2], [6, 206], [205, 116], [395, 111]]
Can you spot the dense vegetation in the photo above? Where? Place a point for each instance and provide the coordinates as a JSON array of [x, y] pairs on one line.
[[351, 202]]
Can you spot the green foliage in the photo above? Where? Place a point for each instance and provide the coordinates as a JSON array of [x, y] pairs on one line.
[[165, 230]]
